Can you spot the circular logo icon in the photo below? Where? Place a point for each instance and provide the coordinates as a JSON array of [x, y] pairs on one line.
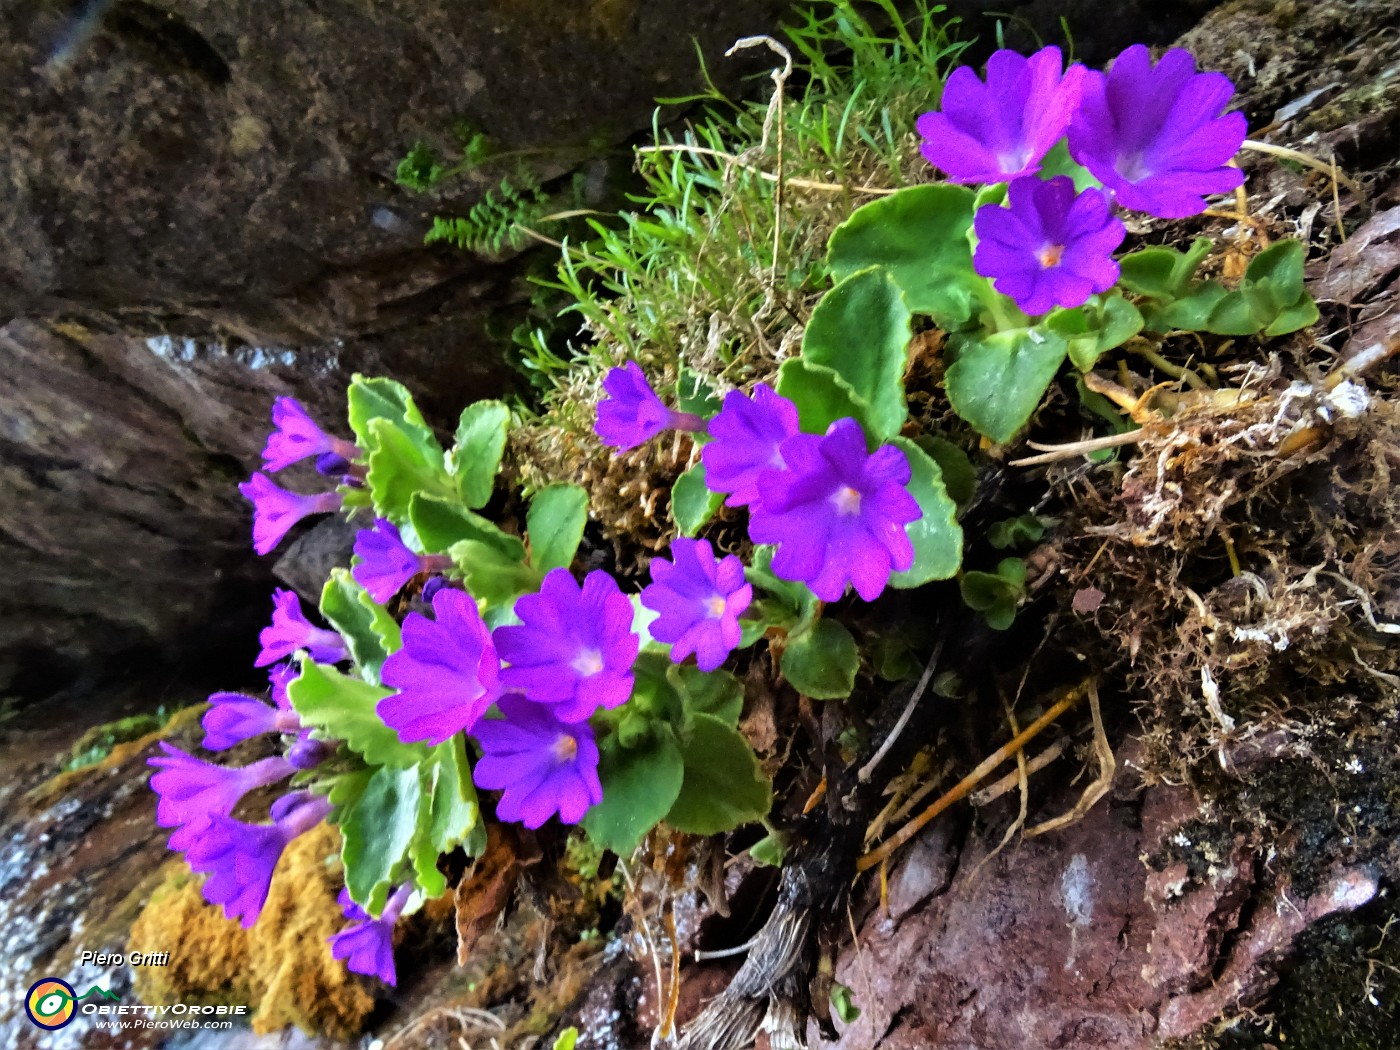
[[50, 1003]]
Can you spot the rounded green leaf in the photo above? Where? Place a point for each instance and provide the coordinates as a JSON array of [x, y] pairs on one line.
[[376, 834], [920, 235], [821, 395], [998, 380], [639, 787], [937, 537], [555, 526], [723, 786], [481, 440], [861, 330], [369, 631], [822, 660], [692, 503], [345, 709]]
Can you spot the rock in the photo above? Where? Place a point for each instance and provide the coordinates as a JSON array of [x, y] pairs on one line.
[[225, 173]]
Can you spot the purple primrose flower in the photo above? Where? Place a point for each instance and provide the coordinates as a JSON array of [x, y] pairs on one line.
[[193, 792], [1156, 137], [700, 602], [367, 945], [999, 130], [838, 513], [1051, 247], [632, 414], [385, 563], [574, 648], [275, 510], [296, 437], [445, 675], [307, 753], [290, 631], [746, 440], [239, 858], [235, 717], [545, 765]]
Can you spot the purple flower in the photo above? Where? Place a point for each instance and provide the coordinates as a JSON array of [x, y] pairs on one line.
[[633, 414], [1050, 247], [307, 753], [1155, 137], [236, 717], [297, 437], [386, 563], [281, 676], [545, 765], [999, 130], [699, 601], [192, 792], [367, 945], [290, 631], [446, 673], [574, 648], [239, 858], [746, 440], [275, 510], [838, 513]]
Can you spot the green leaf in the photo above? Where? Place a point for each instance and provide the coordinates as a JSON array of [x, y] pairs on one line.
[[1022, 531], [959, 475], [344, 709], [377, 832], [568, 1039], [452, 812], [369, 631], [936, 536], [1096, 327], [490, 575], [842, 1005], [861, 330], [481, 440], [998, 380], [795, 596], [1280, 266], [1293, 318], [723, 786], [822, 396], [692, 503], [1059, 162], [695, 393], [920, 235], [998, 594], [440, 523], [822, 660], [639, 787], [1235, 314], [1189, 313], [554, 524], [378, 398], [399, 469], [769, 850], [1162, 273], [716, 693]]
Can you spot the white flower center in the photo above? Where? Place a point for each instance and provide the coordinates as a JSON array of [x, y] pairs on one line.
[[565, 747], [588, 662], [716, 606], [847, 500]]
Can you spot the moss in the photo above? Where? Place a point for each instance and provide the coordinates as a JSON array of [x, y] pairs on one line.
[[281, 967]]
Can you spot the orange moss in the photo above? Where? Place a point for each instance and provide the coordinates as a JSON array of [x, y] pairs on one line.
[[281, 967]]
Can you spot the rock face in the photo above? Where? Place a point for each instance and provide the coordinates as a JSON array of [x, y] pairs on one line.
[[224, 172]]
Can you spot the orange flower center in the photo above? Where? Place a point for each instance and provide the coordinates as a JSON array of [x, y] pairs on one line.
[[1051, 255], [847, 500], [716, 606], [565, 748]]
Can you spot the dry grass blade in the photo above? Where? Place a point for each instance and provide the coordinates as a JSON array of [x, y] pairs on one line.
[[1108, 766]]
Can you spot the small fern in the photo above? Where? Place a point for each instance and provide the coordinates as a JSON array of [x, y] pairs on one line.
[[495, 221]]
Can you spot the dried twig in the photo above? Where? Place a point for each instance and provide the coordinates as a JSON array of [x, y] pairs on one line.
[[1108, 766], [969, 783]]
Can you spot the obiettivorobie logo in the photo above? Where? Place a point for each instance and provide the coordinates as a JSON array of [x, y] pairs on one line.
[[52, 1004]]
